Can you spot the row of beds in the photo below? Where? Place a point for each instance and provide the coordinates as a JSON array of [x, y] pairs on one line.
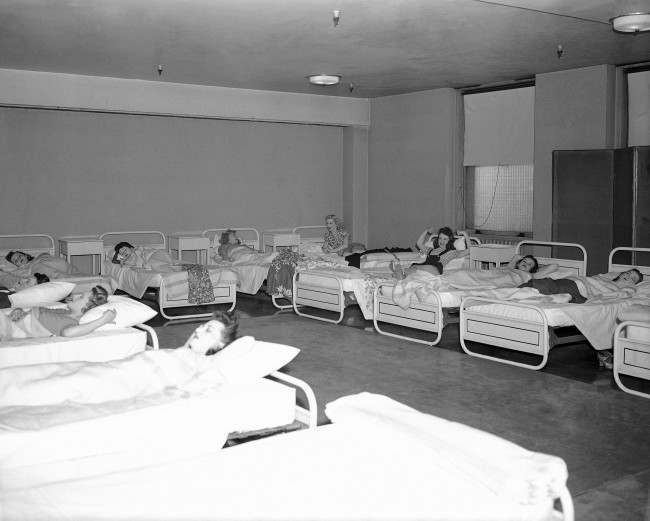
[[314, 472], [323, 294]]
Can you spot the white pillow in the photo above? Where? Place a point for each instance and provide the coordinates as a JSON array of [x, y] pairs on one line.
[[129, 313], [248, 359], [5, 265], [47, 292]]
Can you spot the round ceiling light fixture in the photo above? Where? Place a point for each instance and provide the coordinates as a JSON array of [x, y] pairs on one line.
[[324, 79], [631, 23]]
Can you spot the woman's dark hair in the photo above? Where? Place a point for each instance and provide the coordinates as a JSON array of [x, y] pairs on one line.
[[41, 279], [98, 296], [535, 267], [122, 245], [445, 230], [639, 275], [225, 237], [230, 321], [30, 258]]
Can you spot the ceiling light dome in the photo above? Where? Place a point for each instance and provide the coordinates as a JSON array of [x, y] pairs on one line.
[[324, 79], [631, 23]]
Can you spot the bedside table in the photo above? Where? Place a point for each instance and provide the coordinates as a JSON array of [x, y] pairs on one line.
[[275, 240], [493, 254], [73, 246], [196, 243]]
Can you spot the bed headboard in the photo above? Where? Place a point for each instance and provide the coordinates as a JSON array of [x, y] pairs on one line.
[[249, 236], [577, 265], [34, 244], [147, 238], [636, 255], [313, 234]]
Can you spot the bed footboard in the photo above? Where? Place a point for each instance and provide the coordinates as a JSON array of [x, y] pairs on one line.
[[152, 334], [632, 354], [320, 297], [527, 336], [424, 317], [307, 415], [224, 293]]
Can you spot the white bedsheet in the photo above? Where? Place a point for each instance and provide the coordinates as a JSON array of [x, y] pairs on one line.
[[135, 281], [99, 346], [380, 460]]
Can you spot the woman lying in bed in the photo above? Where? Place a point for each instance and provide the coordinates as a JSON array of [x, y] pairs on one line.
[[44, 263], [41, 322], [127, 255]]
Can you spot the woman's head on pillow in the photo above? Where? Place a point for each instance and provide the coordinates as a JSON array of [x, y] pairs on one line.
[[79, 303], [19, 258], [123, 250], [215, 334], [444, 239]]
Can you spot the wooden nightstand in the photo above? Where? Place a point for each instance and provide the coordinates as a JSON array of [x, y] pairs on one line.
[[494, 255], [72, 246], [275, 240], [197, 243]]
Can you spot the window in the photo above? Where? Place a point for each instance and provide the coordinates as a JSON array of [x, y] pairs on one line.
[[499, 198], [498, 159]]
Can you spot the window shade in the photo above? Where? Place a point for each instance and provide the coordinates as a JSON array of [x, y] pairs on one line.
[[499, 127], [638, 87]]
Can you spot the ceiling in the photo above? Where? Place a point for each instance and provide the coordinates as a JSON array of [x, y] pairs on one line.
[[381, 47]]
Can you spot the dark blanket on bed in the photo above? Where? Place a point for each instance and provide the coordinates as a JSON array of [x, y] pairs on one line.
[[279, 281], [199, 285]]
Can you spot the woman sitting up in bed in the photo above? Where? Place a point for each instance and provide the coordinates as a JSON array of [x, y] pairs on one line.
[[335, 239], [231, 247], [45, 322]]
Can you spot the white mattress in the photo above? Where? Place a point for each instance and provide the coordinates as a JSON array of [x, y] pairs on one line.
[[554, 315], [334, 472], [328, 279], [99, 346], [448, 299]]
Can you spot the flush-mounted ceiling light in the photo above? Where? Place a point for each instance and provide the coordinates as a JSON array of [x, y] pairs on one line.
[[324, 79], [631, 23]]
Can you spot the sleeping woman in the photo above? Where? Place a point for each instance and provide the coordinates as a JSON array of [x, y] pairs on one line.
[[44, 263], [127, 255], [41, 322], [231, 247]]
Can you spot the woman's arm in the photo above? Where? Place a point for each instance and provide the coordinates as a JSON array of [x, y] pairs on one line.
[[83, 329], [513, 262], [544, 271], [422, 239]]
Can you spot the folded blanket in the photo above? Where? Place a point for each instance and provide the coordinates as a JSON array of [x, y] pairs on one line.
[[486, 460], [199, 285]]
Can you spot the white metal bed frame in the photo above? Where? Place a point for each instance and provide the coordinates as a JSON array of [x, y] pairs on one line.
[[223, 293], [333, 299], [48, 246], [315, 239], [430, 317], [534, 337], [631, 355]]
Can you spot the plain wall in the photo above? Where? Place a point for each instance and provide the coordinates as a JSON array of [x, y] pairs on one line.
[[414, 165], [69, 173], [355, 182], [574, 110]]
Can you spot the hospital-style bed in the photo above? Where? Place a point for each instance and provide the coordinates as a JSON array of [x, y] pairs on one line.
[[534, 328], [169, 281], [632, 354], [378, 460], [98, 346], [252, 268], [440, 308], [36, 244]]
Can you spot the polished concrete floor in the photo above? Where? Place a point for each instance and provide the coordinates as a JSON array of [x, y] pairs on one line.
[[570, 409]]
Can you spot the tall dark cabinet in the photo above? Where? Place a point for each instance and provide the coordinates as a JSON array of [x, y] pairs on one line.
[[601, 199]]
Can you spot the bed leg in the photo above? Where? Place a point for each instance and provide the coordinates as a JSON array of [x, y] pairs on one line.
[[152, 333]]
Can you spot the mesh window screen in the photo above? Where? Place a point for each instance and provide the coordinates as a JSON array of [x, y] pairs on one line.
[[503, 197]]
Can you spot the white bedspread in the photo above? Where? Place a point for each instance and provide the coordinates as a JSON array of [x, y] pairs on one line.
[[135, 281], [380, 460]]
